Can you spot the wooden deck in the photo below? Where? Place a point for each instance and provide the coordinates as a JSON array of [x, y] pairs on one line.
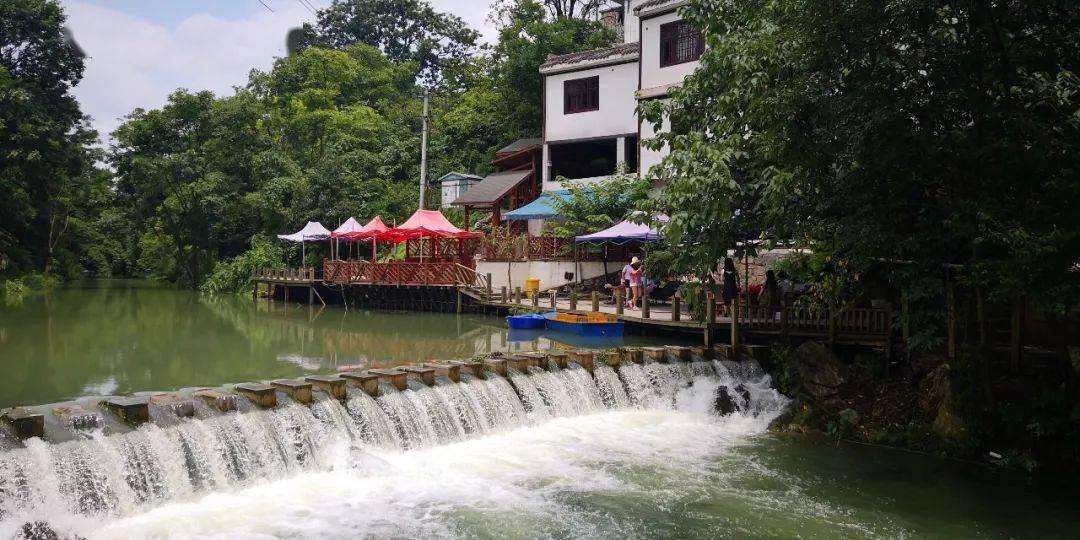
[[449, 286], [870, 327]]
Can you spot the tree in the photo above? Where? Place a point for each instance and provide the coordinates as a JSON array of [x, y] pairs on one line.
[[920, 133], [597, 206], [44, 138], [404, 30], [526, 38]]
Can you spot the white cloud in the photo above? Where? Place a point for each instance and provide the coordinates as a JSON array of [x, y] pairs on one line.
[[134, 62]]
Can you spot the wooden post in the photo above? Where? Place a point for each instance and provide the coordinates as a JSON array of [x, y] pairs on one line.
[[489, 292], [573, 299], [595, 301], [950, 299], [676, 307], [517, 295], [710, 317], [619, 301], [783, 317], [1016, 341], [888, 337], [832, 324], [310, 295], [503, 297], [536, 299], [905, 320], [735, 326], [644, 305], [554, 296], [457, 307]]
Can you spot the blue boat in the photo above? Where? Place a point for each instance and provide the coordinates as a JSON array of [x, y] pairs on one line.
[[530, 321], [582, 326]]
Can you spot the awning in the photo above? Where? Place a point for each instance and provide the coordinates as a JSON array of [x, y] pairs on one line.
[[491, 189], [621, 233], [542, 208], [425, 223], [312, 232], [350, 226], [372, 229]]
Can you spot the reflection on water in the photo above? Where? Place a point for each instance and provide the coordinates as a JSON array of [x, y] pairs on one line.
[[127, 336]]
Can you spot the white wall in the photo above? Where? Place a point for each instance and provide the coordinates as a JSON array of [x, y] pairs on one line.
[[550, 273], [652, 75], [651, 157], [617, 112], [630, 21], [552, 185]]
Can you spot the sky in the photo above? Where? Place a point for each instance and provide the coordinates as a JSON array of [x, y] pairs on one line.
[[139, 51]]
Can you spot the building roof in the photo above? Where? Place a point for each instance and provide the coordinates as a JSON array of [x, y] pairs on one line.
[[519, 145], [492, 188], [454, 175], [656, 7], [626, 52]]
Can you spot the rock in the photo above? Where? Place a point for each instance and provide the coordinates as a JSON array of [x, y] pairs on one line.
[[818, 373], [38, 530], [935, 400], [728, 400]]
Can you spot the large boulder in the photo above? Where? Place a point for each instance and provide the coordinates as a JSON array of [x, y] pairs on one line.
[[816, 372], [727, 401], [935, 400]]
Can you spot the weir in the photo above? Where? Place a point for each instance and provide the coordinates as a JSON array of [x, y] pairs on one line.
[[144, 450]]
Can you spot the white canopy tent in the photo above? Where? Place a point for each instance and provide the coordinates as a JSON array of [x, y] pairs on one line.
[[312, 232], [350, 226]]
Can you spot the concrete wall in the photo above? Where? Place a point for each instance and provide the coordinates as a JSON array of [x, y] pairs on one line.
[[617, 112], [651, 157], [652, 75], [551, 273], [630, 21]]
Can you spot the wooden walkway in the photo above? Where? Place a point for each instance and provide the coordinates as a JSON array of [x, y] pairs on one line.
[[869, 327], [448, 286]]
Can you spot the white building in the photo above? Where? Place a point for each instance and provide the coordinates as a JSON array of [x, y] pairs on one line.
[[591, 98], [453, 185]]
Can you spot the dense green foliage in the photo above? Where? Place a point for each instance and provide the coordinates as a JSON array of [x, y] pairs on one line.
[[198, 186], [597, 206], [918, 134], [51, 195]]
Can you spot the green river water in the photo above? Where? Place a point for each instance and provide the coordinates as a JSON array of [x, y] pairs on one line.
[[672, 472]]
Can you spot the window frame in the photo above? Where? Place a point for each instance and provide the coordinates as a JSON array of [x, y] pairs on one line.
[[672, 35], [576, 94]]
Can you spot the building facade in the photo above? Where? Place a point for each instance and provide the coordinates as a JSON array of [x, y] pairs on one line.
[[591, 125]]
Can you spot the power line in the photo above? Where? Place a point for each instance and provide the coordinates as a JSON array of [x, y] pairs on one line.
[[306, 6], [314, 9], [266, 6]]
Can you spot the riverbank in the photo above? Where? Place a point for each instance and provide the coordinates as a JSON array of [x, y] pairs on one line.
[[1028, 422]]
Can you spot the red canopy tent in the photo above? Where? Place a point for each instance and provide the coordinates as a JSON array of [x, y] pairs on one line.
[[425, 223], [369, 231], [430, 224]]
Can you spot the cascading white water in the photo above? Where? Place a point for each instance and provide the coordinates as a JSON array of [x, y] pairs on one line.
[[127, 473]]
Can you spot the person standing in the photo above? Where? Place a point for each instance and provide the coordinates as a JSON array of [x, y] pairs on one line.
[[624, 282], [635, 278], [730, 282], [770, 292]]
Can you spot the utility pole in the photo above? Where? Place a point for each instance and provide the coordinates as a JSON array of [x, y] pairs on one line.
[[423, 155]]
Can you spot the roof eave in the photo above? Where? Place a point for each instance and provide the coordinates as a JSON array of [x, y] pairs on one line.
[[589, 64], [649, 12]]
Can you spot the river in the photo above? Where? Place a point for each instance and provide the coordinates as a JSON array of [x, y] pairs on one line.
[[637, 453]]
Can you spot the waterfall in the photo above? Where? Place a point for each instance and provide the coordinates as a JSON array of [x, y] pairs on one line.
[[121, 474]]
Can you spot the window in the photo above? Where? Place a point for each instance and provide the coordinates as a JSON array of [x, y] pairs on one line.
[[680, 43], [581, 95]]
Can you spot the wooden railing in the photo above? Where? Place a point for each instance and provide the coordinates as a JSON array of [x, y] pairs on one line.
[[285, 274], [548, 248], [401, 273], [860, 321]]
